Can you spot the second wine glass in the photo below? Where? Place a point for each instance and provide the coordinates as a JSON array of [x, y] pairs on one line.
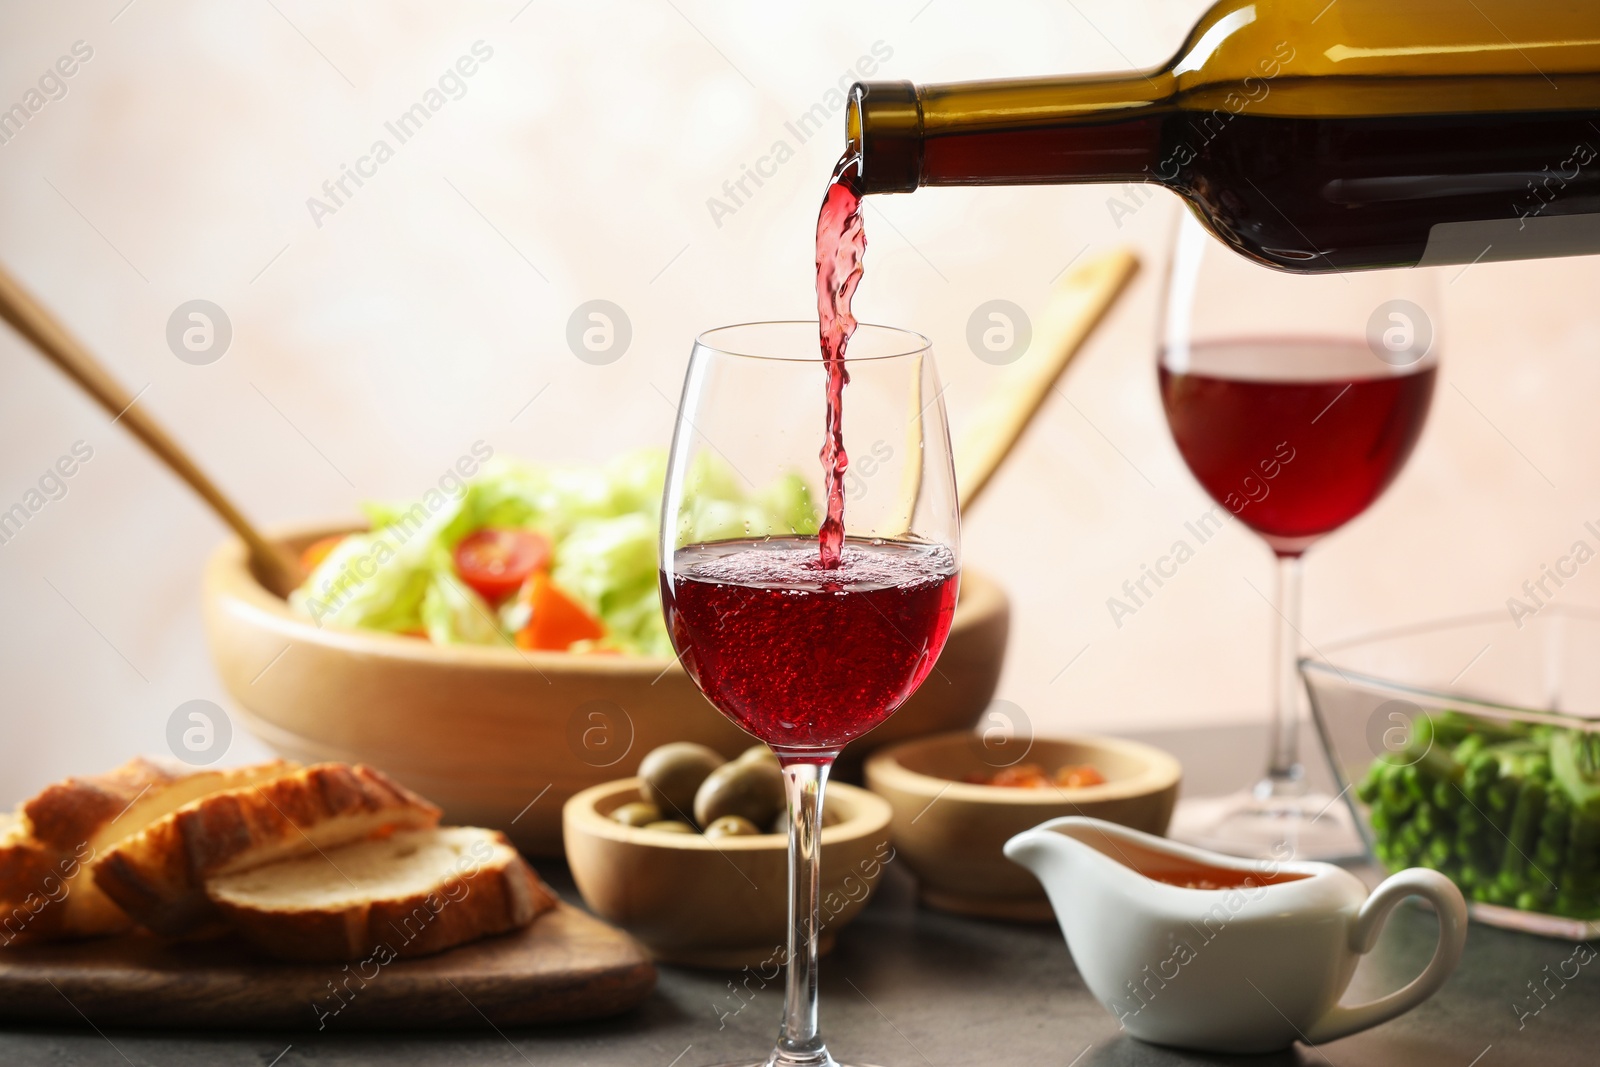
[[803, 656], [1295, 401]]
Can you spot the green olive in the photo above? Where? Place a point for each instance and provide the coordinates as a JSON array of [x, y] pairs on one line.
[[670, 826], [672, 773], [638, 813], [760, 753], [732, 826], [752, 789]]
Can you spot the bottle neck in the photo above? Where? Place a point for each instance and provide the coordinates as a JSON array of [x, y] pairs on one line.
[[1018, 132]]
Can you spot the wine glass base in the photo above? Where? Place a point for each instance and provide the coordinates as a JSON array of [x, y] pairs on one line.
[[1310, 826]]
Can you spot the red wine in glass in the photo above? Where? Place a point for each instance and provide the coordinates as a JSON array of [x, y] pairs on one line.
[[802, 655], [1295, 436]]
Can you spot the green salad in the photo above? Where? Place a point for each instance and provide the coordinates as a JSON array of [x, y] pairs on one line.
[[539, 556], [1509, 810]]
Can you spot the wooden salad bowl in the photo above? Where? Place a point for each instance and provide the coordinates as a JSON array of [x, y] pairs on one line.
[[502, 737]]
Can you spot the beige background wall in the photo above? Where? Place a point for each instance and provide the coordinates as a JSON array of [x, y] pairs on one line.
[[423, 315]]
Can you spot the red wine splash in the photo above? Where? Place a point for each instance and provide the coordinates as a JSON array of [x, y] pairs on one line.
[[841, 242]]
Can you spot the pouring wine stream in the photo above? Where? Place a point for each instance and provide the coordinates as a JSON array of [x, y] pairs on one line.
[[841, 244]]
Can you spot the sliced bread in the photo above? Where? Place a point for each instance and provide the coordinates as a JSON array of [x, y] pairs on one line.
[[157, 876], [47, 844], [408, 894], [31, 893]]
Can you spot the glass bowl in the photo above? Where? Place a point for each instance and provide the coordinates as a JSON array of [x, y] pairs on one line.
[[1472, 746]]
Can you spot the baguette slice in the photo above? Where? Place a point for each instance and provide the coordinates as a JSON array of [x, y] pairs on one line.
[[409, 894], [158, 875], [30, 898], [47, 844]]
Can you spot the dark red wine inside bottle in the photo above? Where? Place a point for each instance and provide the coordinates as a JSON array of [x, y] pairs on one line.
[[1309, 136]]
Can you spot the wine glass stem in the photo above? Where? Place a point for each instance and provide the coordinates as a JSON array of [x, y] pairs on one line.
[[1283, 760], [799, 1042]]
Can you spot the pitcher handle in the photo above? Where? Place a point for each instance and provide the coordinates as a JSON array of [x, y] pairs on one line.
[[1452, 910]]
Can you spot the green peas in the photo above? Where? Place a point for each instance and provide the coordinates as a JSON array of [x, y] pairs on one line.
[[1501, 794], [1509, 811], [1370, 786], [1469, 748]]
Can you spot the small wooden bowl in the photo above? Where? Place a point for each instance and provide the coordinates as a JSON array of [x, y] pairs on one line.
[[719, 902], [499, 737], [951, 832]]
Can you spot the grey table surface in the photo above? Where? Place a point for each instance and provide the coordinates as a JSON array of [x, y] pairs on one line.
[[910, 986]]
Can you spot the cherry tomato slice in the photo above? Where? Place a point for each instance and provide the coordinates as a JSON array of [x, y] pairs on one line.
[[557, 620], [495, 562]]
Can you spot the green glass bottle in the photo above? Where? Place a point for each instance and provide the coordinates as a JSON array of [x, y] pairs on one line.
[[1311, 135]]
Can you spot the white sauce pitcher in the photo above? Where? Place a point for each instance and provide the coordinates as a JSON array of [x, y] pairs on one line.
[[1251, 965]]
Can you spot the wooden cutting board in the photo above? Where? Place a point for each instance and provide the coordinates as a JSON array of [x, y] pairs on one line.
[[566, 966]]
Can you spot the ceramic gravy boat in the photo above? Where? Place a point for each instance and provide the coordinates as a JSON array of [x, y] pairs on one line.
[[1254, 960]]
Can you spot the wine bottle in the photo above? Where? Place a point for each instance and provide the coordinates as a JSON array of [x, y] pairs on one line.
[[1311, 135]]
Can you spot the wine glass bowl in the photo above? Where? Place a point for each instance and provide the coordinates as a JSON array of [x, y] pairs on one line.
[[804, 650], [1294, 401], [1294, 435], [762, 384]]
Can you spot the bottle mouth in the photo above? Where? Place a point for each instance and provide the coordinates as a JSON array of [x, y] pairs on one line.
[[883, 127]]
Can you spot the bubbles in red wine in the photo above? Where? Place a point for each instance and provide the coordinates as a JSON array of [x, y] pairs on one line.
[[803, 656], [793, 564]]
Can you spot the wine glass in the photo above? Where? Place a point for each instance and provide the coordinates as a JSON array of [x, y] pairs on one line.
[[802, 656], [1294, 400]]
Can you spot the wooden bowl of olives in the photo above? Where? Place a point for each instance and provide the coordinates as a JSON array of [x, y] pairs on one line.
[[957, 800], [692, 857]]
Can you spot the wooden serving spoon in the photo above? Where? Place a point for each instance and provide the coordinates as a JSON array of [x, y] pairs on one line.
[[1079, 302], [1076, 305], [278, 570]]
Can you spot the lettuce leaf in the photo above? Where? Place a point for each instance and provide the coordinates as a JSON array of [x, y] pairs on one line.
[[455, 615], [377, 580]]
